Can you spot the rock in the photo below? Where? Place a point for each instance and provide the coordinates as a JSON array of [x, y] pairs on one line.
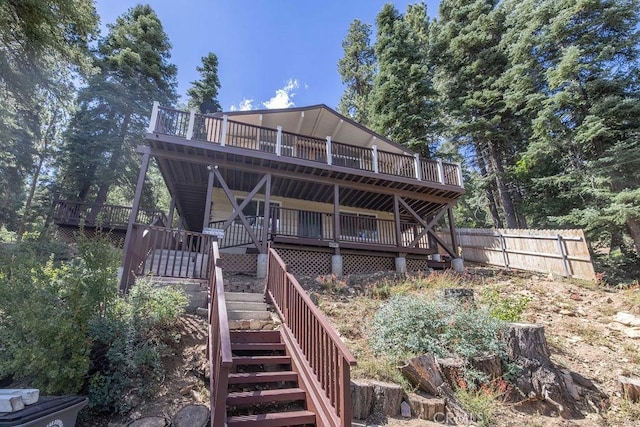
[[196, 396], [361, 399], [405, 410], [627, 319], [633, 333], [191, 416], [149, 422]]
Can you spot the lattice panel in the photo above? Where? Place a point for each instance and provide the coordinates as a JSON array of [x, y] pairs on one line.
[[417, 264], [70, 235], [359, 264], [306, 263], [239, 263]]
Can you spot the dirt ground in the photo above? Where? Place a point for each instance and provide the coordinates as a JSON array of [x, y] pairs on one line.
[[579, 325]]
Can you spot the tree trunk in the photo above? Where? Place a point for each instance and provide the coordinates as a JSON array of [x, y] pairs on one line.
[[489, 189], [495, 163], [452, 371], [633, 224], [488, 364]]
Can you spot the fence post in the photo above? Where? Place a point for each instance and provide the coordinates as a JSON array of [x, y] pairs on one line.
[[192, 119], [223, 137], [416, 162], [503, 247], [279, 142], [154, 117], [374, 153], [329, 151], [563, 253]]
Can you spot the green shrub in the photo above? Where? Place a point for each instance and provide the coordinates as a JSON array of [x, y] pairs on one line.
[[505, 308], [65, 329]]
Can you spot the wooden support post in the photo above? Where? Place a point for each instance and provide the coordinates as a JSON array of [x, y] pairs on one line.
[[192, 120], [124, 280], [374, 155], [452, 230], [267, 215], [459, 168], [329, 159], [396, 217], [207, 203], [154, 117], [223, 137], [440, 172], [279, 141], [172, 209], [416, 163], [336, 213]]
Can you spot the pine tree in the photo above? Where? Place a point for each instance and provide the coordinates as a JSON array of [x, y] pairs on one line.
[[206, 89], [115, 106], [403, 103], [357, 69]]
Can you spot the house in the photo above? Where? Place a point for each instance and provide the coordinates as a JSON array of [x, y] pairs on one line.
[[330, 194]]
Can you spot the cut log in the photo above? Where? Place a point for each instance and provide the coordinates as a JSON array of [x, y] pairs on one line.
[[488, 364], [424, 373], [426, 407], [452, 371], [387, 398], [630, 388], [361, 399]]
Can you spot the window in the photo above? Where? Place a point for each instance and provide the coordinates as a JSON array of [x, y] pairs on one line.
[[358, 227]]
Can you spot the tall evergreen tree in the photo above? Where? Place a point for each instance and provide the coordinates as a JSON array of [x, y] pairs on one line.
[[205, 90], [403, 103], [471, 63], [581, 63], [114, 108], [357, 69]]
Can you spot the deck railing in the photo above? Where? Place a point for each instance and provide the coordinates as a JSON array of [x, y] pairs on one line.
[[219, 341], [305, 224], [109, 216], [221, 130], [325, 355]]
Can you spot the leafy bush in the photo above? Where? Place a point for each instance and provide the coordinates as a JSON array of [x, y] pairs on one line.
[[411, 324], [65, 329], [505, 308]]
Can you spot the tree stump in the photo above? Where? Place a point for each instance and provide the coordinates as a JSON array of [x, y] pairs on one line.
[[630, 388], [452, 371], [149, 422], [540, 379], [387, 398], [191, 416], [489, 364], [426, 407], [361, 399]]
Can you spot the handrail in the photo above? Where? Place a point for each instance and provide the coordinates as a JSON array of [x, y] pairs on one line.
[[107, 215], [326, 355], [222, 131], [219, 341]]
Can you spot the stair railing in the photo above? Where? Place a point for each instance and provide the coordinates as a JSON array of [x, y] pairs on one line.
[[219, 341], [324, 359]]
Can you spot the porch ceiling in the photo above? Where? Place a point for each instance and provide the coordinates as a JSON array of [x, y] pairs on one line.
[[185, 171]]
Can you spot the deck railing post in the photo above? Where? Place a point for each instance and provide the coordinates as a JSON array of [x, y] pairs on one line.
[[192, 120], [416, 163], [459, 168], [374, 155], [154, 117], [223, 137], [440, 172], [329, 151], [279, 142]]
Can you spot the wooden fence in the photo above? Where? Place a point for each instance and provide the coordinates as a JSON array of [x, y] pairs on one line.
[[562, 252]]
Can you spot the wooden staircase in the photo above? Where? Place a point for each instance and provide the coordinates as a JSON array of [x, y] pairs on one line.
[[263, 391]]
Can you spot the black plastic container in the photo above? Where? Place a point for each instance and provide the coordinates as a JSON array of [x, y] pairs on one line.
[[49, 411]]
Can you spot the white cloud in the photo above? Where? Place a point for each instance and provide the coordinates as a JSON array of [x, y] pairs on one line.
[[283, 97], [245, 105]]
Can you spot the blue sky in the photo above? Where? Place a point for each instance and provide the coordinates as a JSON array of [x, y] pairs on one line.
[[272, 53]]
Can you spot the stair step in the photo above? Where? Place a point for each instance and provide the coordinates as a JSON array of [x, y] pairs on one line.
[[255, 336], [261, 360], [278, 419], [265, 396], [262, 377], [260, 346], [244, 296], [248, 315], [246, 306]]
